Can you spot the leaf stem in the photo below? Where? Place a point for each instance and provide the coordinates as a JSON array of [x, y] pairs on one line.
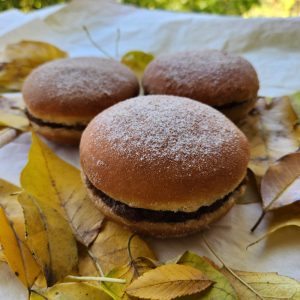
[[136, 271], [92, 278], [229, 270], [95, 261], [94, 43], [258, 221]]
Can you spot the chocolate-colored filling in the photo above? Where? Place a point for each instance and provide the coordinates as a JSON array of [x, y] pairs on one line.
[[230, 105], [155, 216], [40, 122]]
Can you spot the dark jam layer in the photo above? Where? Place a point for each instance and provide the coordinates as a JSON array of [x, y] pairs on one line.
[[156, 216], [40, 122], [230, 105]]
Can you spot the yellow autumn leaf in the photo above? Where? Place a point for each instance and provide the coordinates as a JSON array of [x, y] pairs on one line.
[[110, 248], [59, 185], [2, 256], [17, 254], [12, 113], [39, 181], [137, 61], [50, 240], [71, 291], [282, 218], [271, 133], [129, 272], [13, 210], [269, 286], [21, 58], [221, 289], [168, 282]]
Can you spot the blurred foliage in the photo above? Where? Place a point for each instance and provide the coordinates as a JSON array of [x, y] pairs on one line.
[[247, 8], [224, 7], [27, 5]]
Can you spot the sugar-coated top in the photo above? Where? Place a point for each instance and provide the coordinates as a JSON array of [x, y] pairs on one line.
[[77, 87], [210, 76], [167, 146]]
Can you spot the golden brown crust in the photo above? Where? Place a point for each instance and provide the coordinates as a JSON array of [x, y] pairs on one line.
[[209, 76], [164, 153], [164, 229], [76, 89], [58, 135]]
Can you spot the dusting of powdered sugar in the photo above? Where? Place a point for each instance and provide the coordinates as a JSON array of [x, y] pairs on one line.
[[207, 76], [156, 128], [75, 79]]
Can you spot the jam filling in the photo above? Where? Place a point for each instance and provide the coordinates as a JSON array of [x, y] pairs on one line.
[[156, 216], [40, 122]]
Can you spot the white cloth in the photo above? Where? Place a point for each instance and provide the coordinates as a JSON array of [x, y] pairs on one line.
[[272, 45]]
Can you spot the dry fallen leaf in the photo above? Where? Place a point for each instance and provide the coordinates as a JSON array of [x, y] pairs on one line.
[[137, 61], [15, 235], [71, 291], [168, 282], [12, 113], [21, 58], [13, 210], [282, 218], [54, 249], [2, 256], [129, 272], [280, 186], [17, 254], [110, 248], [58, 244], [48, 177], [269, 286], [271, 133], [222, 289]]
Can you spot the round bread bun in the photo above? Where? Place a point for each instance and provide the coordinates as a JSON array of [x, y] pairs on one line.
[[163, 153], [225, 81], [70, 92]]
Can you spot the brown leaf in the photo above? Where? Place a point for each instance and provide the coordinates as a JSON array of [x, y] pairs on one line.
[[280, 186], [269, 286], [270, 130], [282, 218], [111, 247], [168, 282], [21, 58]]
